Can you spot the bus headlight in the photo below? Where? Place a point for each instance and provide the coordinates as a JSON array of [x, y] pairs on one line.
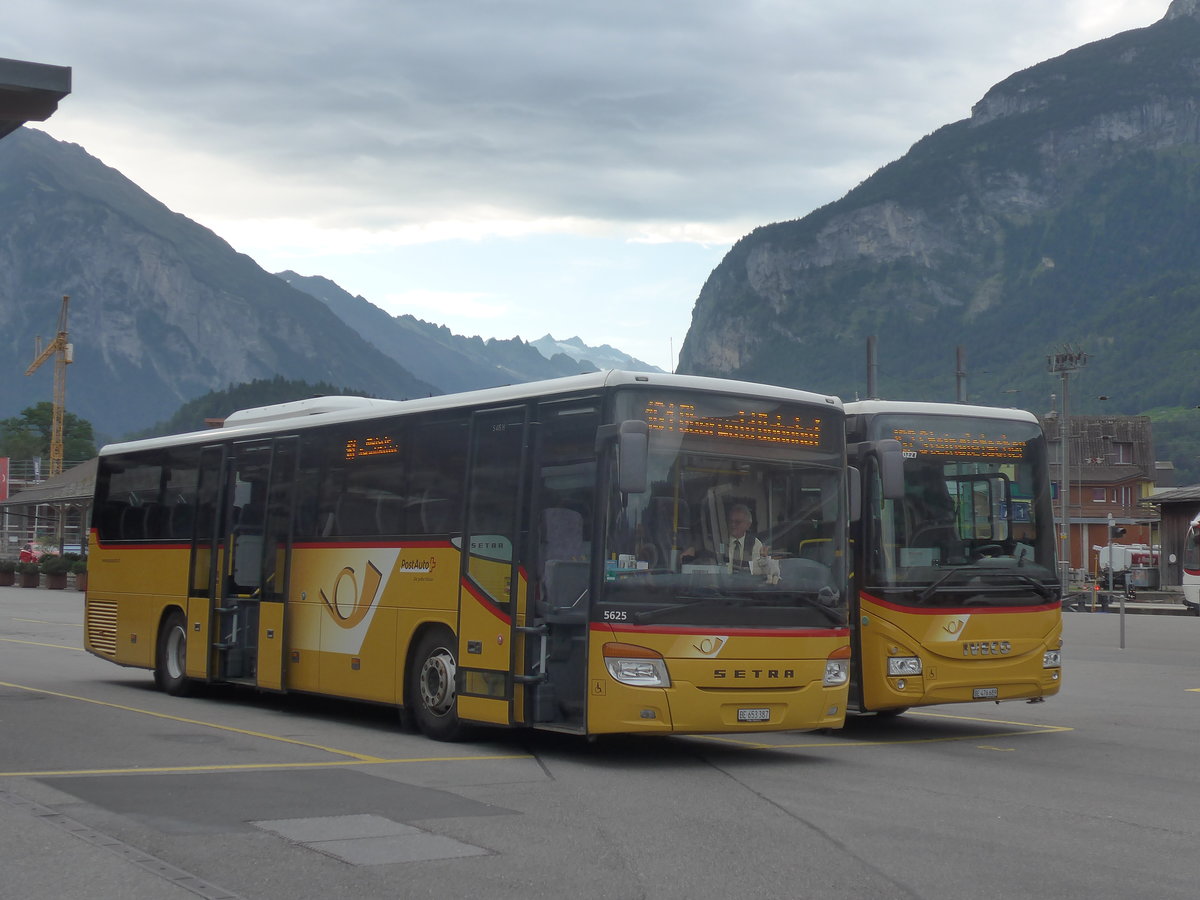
[[1052, 659], [904, 665], [638, 666], [837, 668]]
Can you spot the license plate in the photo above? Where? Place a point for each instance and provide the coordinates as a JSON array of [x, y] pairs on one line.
[[754, 714], [985, 693]]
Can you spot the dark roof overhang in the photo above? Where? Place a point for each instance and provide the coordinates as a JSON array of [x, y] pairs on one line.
[[29, 92]]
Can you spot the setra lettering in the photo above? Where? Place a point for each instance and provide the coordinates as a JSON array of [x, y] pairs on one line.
[[755, 674]]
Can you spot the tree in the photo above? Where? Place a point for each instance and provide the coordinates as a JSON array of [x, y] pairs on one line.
[[28, 435]]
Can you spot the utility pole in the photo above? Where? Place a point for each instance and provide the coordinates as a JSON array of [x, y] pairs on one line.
[[62, 352], [1066, 361]]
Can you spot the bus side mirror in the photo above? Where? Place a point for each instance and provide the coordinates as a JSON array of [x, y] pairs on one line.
[[633, 448], [891, 468]]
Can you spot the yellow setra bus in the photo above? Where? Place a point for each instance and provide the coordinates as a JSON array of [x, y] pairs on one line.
[[553, 555], [957, 595]]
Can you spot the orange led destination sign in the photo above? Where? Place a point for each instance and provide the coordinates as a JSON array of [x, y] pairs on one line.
[[925, 442], [744, 425], [381, 445]]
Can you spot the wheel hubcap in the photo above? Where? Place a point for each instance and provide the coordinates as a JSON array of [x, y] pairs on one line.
[[176, 647], [437, 682]]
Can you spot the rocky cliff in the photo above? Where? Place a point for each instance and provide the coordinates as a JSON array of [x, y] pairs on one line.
[[1063, 210]]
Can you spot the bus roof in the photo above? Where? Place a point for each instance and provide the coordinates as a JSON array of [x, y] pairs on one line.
[[330, 410], [928, 408]]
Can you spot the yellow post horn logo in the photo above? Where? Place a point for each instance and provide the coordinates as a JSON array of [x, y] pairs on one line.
[[349, 606]]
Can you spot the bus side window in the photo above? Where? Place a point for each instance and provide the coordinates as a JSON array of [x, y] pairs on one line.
[[109, 515], [435, 476]]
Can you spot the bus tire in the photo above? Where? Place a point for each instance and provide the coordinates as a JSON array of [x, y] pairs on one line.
[[434, 699], [170, 656]]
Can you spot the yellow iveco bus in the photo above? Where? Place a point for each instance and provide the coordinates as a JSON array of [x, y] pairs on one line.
[[552, 555], [957, 593]]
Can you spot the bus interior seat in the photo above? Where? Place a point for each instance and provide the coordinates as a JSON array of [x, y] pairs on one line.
[[153, 521], [564, 565], [564, 588], [133, 521], [562, 534]]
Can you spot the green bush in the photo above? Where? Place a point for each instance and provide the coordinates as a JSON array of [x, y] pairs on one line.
[[79, 567], [8, 565], [54, 565], [28, 568]]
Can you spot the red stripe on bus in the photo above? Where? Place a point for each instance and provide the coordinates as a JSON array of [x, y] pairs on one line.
[[368, 545], [838, 631], [143, 545], [486, 602]]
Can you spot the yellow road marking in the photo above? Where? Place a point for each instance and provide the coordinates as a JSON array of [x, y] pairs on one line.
[[41, 644], [997, 749], [161, 770], [833, 740], [940, 715], [354, 758], [147, 712], [1193, 690], [48, 622]]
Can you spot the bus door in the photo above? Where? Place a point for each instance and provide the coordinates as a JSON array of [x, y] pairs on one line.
[[563, 494], [246, 559], [492, 585]]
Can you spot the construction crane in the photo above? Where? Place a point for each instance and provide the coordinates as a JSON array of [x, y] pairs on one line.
[[62, 352]]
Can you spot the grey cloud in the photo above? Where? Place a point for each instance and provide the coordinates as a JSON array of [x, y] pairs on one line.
[[695, 111]]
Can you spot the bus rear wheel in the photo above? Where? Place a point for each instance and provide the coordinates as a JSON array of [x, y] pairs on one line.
[[433, 696], [170, 659]]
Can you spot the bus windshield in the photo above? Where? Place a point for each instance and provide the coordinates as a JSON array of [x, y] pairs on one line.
[[975, 525], [742, 522]]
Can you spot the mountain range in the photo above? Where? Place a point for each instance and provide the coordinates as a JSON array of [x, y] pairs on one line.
[[163, 310], [1065, 212]]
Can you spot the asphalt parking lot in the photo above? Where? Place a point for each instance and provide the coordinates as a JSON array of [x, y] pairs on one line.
[[109, 788]]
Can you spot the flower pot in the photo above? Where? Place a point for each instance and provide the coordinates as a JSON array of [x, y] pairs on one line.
[[56, 582], [31, 579], [81, 581], [8, 579]]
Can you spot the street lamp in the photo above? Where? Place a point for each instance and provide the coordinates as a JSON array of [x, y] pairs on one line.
[[1064, 363]]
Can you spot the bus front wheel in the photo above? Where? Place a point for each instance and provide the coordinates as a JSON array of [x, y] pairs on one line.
[[171, 656], [434, 700]]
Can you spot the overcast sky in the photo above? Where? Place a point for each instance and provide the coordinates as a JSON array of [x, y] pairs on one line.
[[529, 166]]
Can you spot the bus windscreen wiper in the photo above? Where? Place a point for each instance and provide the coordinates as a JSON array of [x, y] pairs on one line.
[[990, 587]]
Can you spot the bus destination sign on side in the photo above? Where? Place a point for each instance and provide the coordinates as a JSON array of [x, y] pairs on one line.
[[375, 445]]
